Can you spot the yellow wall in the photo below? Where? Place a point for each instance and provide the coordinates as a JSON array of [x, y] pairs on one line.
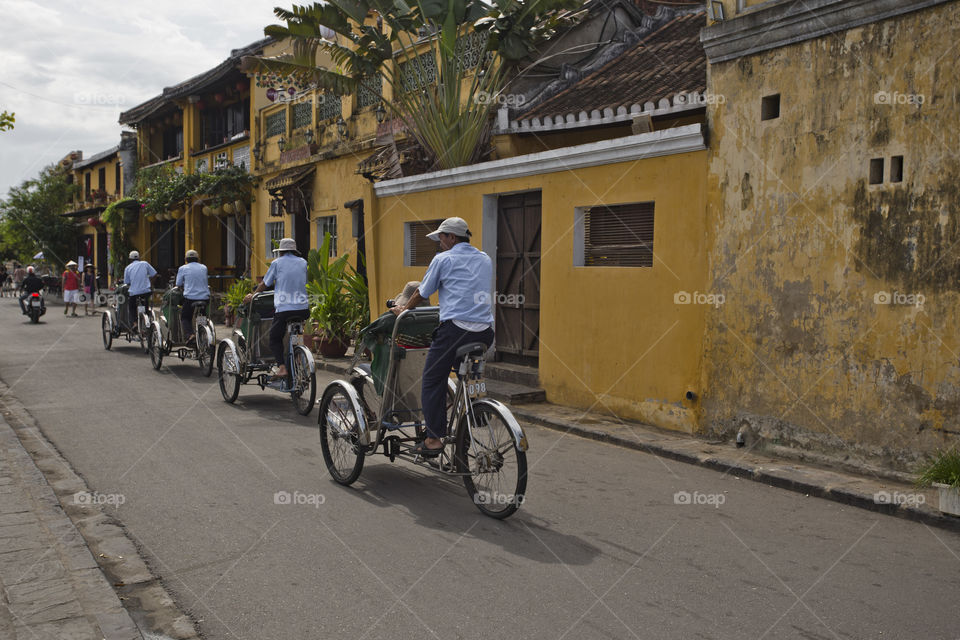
[[611, 338], [801, 352]]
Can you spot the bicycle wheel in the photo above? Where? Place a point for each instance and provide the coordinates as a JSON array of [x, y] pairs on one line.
[[107, 330], [205, 350], [228, 369], [498, 471], [339, 435], [155, 347], [304, 391], [142, 333]]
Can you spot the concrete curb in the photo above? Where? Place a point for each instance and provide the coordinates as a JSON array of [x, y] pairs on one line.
[[143, 596]]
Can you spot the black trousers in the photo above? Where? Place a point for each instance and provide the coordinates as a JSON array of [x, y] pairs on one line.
[[186, 316], [134, 302], [441, 358], [279, 327]]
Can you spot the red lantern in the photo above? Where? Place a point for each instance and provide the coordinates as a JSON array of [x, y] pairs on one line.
[[218, 97], [93, 221], [201, 105], [241, 86]]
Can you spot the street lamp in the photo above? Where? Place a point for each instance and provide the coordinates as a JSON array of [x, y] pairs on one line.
[[381, 112], [341, 127], [258, 152], [281, 143], [309, 136]]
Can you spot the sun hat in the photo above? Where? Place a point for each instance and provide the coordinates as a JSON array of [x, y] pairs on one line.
[[287, 244], [401, 299], [193, 254], [456, 226], [134, 255], [71, 264]]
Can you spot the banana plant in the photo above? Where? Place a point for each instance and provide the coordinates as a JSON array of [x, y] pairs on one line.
[[449, 118]]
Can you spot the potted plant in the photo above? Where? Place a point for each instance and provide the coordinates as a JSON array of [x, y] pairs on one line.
[[233, 299], [339, 303], [943, 472]]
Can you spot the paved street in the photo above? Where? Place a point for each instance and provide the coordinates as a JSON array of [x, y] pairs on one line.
[[599, 550]]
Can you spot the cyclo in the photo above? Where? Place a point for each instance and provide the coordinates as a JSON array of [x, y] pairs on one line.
[[379, 408], [247, 357], [117, 321], [166, 335]]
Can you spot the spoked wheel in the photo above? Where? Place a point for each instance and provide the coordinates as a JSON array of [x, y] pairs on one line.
[[228, 368], [107, 330], [304, 382], [498, 471], [339, 435], [143, 335], [205, 350], [155, 347]]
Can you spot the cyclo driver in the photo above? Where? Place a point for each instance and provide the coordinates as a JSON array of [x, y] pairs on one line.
[[137, 275], [192, 280], [288, 277], [30, 284], [463, 275]]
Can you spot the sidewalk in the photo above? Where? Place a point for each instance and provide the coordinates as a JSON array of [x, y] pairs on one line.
[[51, 584], [877, 490]]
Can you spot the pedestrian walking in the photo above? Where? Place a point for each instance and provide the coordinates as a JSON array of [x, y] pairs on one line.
[[4, 280], [89, 289], [70, 283], [19, 273]]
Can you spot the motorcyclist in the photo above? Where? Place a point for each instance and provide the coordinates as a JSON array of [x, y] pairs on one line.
[[192, 279], [31, 284]]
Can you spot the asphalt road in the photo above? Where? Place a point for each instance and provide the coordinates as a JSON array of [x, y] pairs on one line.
[[600, 549]]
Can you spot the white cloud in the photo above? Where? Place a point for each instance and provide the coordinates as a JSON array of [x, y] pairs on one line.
[[68, 69]]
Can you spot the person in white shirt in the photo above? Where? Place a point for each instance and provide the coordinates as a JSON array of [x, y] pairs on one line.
[[192, 279], [288, 277], [137, 275]]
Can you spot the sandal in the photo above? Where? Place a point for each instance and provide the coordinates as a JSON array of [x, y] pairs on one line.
[[427, 452]]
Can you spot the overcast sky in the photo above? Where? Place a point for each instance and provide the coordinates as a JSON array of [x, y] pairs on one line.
[[69, 68]]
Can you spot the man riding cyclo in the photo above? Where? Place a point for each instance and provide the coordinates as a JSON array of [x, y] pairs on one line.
[[31, 284], [192, 280], [288, 277], [463, 276], [137, 276]]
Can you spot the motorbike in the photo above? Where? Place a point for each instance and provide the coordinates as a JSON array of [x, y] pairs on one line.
[[35, 307]]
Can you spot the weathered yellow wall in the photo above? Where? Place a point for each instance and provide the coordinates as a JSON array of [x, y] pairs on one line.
[[611, 339], [803, 243]]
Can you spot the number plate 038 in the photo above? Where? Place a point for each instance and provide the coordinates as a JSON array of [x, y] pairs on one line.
[[477, 388]]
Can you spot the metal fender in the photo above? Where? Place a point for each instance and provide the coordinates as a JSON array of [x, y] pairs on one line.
[[310, 360], [213, 332], [366, 437], [111, 318], [519, 438], [227, 343]]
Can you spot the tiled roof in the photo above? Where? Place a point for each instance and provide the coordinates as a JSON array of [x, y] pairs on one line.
[[97, 157], [668, 62]]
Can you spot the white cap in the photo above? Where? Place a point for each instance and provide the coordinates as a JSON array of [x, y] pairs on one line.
[[193, 254], [134, 255], [456, 226], [287, 244], [71, 264], [30, 269]]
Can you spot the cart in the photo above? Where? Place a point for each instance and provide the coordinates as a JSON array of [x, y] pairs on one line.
[[166, 335], [116, 321]]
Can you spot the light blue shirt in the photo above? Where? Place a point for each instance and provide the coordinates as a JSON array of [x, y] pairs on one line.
[[192, 278], [288, 277], [464, 277], [137, 275]]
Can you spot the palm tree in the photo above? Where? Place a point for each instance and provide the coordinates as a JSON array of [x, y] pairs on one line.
[[449, 118]]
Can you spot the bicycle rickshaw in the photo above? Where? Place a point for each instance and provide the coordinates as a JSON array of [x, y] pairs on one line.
[[379, 408], [117, 322], [166, 335], [246, 357]]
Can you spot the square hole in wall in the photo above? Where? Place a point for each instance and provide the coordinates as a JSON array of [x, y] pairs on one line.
[[876, 171], [770, 107], [896, 169]]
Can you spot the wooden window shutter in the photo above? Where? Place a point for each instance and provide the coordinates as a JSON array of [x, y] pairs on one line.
[[422, 248], [619, 235]]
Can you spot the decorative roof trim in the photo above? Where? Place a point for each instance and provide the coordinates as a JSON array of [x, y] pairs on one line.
[[645, 145], [680, 103], [778, 24]]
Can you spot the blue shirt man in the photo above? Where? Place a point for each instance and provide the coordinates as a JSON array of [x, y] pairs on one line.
[[137, 276], [463, 275], [288, 276], [192, 279]]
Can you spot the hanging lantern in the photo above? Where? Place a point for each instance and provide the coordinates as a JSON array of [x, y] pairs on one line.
[[227, 208], [218, 97], [271, 94], [239, 207], [241, 86], [93, 221], [176, 214], [207, 211], [291, 91]]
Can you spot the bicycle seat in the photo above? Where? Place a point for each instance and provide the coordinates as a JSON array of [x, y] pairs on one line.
[[473, 349], [199, 304]]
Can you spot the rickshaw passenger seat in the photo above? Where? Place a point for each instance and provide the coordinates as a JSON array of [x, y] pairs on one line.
[[474, 348], [365, 367]]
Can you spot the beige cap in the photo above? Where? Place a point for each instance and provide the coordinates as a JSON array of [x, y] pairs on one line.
[[456, 226]]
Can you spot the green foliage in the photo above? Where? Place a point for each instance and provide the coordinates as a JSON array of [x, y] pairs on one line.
[[339, 295], [7, 118], [31, 220], [162, 189], [233, 298], [944, 468], [115, 218], [450, 123]]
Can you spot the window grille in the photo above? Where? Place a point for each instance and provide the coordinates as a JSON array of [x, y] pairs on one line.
[[241, 157], [419, 249], [302, 114], [369, 91], [274, 233], [470, 49], [417, 73], [329, 107], [276, 123], [203, 165], [220, 160], [328, 224], [618, 236]]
